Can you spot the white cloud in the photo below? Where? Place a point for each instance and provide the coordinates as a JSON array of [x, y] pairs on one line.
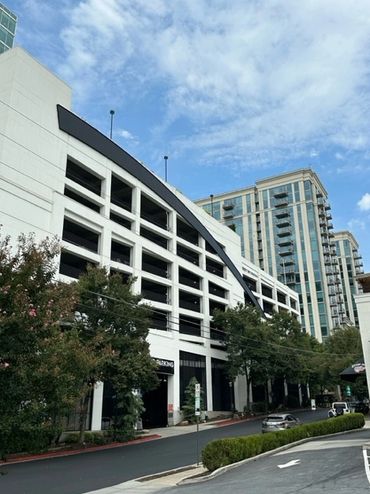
[[356, 224], [126, 135], [364, 202], [252, 78]]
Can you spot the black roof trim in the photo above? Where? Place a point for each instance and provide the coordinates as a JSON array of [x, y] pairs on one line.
[[83, 132]]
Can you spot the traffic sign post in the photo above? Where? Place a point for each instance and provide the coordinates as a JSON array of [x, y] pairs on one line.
[[197, 414]]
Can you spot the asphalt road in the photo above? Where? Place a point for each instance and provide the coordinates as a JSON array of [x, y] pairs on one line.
[[87, 472], [331, 465]]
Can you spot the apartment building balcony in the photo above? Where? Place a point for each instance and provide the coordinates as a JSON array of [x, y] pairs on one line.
[[282, 213], [330, 225], [281, 193], [286, 252], [329, 216], [333, 302], [228, 215], [281, 202], [284, 232], [228, 206], [288, 261], [283, 222], [327, 260], [358, 262], [359, 271], [324, 241], [282, 242]]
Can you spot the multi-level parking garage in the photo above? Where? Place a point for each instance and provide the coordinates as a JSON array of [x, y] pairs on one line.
[[61, 176]]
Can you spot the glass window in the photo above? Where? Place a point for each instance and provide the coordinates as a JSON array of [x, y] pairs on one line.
[[308, 190]]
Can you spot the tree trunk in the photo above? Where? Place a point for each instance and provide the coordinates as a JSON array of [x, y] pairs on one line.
[[84, 404]]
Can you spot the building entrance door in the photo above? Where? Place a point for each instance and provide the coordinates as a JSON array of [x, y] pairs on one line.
[[155, 403]]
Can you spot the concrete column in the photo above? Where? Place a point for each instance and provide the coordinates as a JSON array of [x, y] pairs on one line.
[[97, 407], [209, 383]]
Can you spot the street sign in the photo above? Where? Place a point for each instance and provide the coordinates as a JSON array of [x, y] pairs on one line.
[[197, 400]]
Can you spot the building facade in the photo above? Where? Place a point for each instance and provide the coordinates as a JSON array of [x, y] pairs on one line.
[[8, 23], [285, 227], [60, 176], [350, 266]]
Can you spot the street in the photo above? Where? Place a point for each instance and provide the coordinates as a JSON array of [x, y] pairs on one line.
[[331, 465], [91, 471]]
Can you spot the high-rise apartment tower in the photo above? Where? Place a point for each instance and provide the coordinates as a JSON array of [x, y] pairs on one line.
[[350, 266], [285, 226], [8, 22]]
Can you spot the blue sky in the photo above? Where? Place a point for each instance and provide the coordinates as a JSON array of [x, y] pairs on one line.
[[232, 92]]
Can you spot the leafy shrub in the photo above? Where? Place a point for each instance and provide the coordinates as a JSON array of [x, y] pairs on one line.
[[26, 439], [223, 452], [72, 438], [259, 407]]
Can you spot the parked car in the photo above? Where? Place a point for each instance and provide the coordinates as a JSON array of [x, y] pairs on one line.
[[279, 422], [339, 408], [359, 407]]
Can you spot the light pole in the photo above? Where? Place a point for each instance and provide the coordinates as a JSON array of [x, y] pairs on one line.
[[165, 167], [211, 196], [111, 123]]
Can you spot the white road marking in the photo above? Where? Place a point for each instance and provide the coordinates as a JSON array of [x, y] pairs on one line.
[[290, 464]]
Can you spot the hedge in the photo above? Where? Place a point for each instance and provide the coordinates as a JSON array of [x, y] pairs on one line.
[[26, 439], [223, 452]]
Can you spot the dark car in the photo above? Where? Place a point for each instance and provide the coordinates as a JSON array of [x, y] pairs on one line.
[[359, 407], [279, 422]]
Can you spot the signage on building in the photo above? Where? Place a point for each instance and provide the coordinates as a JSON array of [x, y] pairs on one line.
[[165, 366]]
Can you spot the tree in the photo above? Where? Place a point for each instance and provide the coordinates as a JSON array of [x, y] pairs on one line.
[[188, 409], [114, 325], [342, 349], [246, 338], [39, 383]]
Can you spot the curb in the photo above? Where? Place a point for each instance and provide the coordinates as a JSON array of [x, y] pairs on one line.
[[226, 468], [63, 453]]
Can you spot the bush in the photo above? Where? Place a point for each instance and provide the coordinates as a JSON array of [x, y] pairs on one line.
[[26, 439], [223, 452], [259, 407]]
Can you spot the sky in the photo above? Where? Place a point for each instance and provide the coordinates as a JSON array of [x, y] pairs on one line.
[[232, 92]]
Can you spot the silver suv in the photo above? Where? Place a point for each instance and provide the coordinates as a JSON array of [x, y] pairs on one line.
[[279, 422]]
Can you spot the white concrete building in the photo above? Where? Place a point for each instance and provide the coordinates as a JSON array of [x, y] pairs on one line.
[[60, 176], [362, 300]]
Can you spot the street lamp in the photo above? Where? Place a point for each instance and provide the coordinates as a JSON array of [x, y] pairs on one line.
[[211, 196], [111, 123], [165, 167]]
